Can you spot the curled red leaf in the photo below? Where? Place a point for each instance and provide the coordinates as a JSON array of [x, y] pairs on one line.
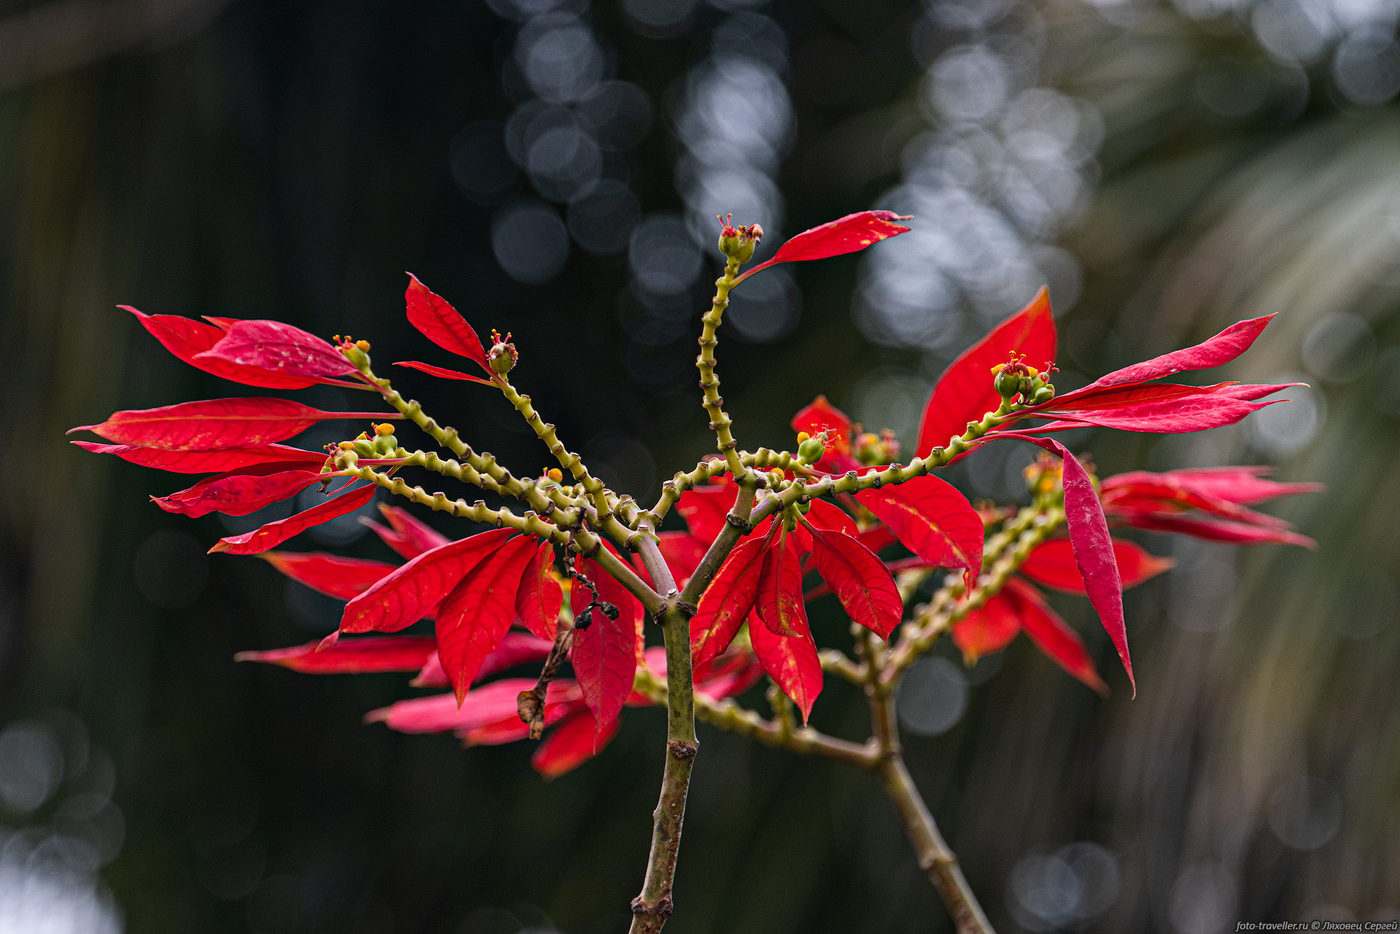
[[238, 494], [275, 347], [847, 234], [186, 338], [275, 533]]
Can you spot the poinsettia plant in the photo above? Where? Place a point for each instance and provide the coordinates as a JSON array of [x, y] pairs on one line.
[[577, 578]]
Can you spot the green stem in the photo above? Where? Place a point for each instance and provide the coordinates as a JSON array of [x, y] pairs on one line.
[[720, 422]]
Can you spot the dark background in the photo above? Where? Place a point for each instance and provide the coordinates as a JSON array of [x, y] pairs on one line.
[[551, 166]]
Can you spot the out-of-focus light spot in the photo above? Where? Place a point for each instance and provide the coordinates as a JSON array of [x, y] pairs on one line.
[[767, 308], [618, 112], [1098, 874], [1044, 892], [1305, 812], [735, 6], [1286, 428], [659, 17], [37, 897], [1366, 68], [747, 193], [1292, 30], [751, 35], [933, 697], [662, 257], [530, 242], [31, 765], [480, 164], [521, 10], [560, 58], [602, 221], [1202, 900], [966, 14], [1341, 347], [564, 163], [967, 85], [170, 568]]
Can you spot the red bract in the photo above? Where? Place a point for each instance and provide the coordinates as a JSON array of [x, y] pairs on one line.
[[275, 533], [474, 617], [605, 649], [515, 648], [238, 494], [440, 323], [349, 656], [274, 347], [407, 535], [965, 392], [859, 579], [574, 740], [443, 372], [704, 509], [844, 235], [1204, 503], [230, 459], [821, 416], [540, 598], [726, 603], [332, 575], [933, 520], [792, 663], [779, 602], [1052, 565], [216, 424]]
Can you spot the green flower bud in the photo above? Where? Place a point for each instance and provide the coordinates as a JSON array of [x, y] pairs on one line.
[[811, 450]]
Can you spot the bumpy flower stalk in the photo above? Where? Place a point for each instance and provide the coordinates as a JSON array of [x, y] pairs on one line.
[[720, 422]]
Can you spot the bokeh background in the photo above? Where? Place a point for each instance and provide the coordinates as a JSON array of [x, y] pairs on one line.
[[553, 167]]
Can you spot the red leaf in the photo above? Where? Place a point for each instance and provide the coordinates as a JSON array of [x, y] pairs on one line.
[[780, 605], [1093, 549], [215, 424], [820, 416], [604, 657], [409, 535], [573, 741], [860, 581], [847, 234], [415, 589], [704, 509], [987, 629], [439, 713], [474, 617], [332, 575], [1052, 565], [515, 648], [275, 533], [933, 520], [205, 461], [1222, 348], [726, 603], [237, 494], [823, 515], [1158, 407], [1242, 485], [966, 392], [349, 656], [540, 598], [561, 699], [440, 323], [443, 372], [792, 663], [186, 337], [612, 592], [274, 347], [1221, 530], [1053, 636]]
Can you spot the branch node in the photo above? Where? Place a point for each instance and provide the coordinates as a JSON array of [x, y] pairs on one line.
[[681, 750]]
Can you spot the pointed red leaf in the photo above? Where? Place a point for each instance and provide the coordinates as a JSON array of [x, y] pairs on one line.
[[1053, 636], [439, 713], [515, 648], [408, 535], [275, 347], [966, 391], [573, 741], [987, 629], [440, 323], [847, 234], [540, 598], [186, 338], [205, 461], [780, 605], [933, 520], [474, 617], [349, 656], [824, 515], [273, 534], [610, 591], [1052, 565], [1222, 348], [215, 424], [332, 575], [820, 415], [792, 663], [414, 590], [238, 494], [1221, 530], [1093, 548], [726, 603], [704, 509], [1163, 408], [604, 656], [443, 372], [1242, 485], [860, 581], [561, 700]]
